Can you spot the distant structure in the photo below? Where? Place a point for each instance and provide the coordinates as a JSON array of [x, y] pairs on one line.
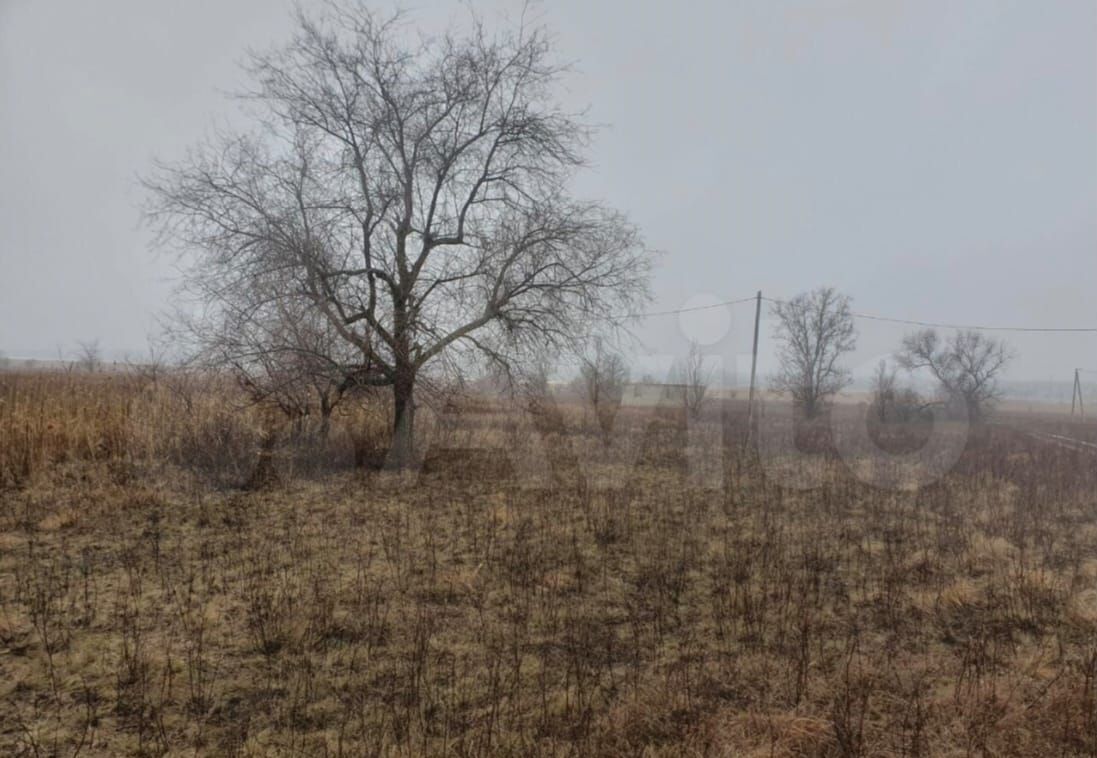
[[656, 392]]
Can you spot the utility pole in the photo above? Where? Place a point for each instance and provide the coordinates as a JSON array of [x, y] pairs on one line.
[[1076, 396], [754, 366]]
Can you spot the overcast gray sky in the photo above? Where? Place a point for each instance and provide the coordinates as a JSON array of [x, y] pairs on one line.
[[935, 160]]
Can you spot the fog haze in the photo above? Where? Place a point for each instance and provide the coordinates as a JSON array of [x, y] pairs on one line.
[[935, 161]]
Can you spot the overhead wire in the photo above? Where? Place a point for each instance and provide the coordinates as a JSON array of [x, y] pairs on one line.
[[674, 311], [886, 319]]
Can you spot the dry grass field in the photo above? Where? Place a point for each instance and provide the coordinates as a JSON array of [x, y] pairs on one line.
[[180, 577]]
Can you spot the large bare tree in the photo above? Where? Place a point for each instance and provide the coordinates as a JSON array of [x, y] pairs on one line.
[[966, 366], [814, 330], [415, 193]]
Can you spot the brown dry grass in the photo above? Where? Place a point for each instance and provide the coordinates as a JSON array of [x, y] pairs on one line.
[[152, 604]]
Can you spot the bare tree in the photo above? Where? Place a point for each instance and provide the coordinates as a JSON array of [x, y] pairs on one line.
[[883, 390], [892, 401], [695, 380], [814, 329], [150, 368], [603, 375], [966, 367], [415, 194], [280, 349], [533, 380], [89, 357]]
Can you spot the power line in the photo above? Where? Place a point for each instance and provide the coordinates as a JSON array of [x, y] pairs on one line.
[[886, 319], [974, 327], [981, 328], [688, 310]]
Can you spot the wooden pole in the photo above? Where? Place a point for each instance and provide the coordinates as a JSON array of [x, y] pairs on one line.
[[1074, 394], [754, 365], [1081, 401]]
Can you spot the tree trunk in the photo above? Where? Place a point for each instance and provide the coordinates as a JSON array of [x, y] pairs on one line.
[[808, 404], [325, 419], [402, 450]]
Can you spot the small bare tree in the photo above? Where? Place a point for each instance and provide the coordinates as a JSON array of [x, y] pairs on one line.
[[416, 193], [892, 401], [883, 391], [966, 367], [533, 381], [695, 380], [603, 375], [279, 348], [814, 329], [89, 357]]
